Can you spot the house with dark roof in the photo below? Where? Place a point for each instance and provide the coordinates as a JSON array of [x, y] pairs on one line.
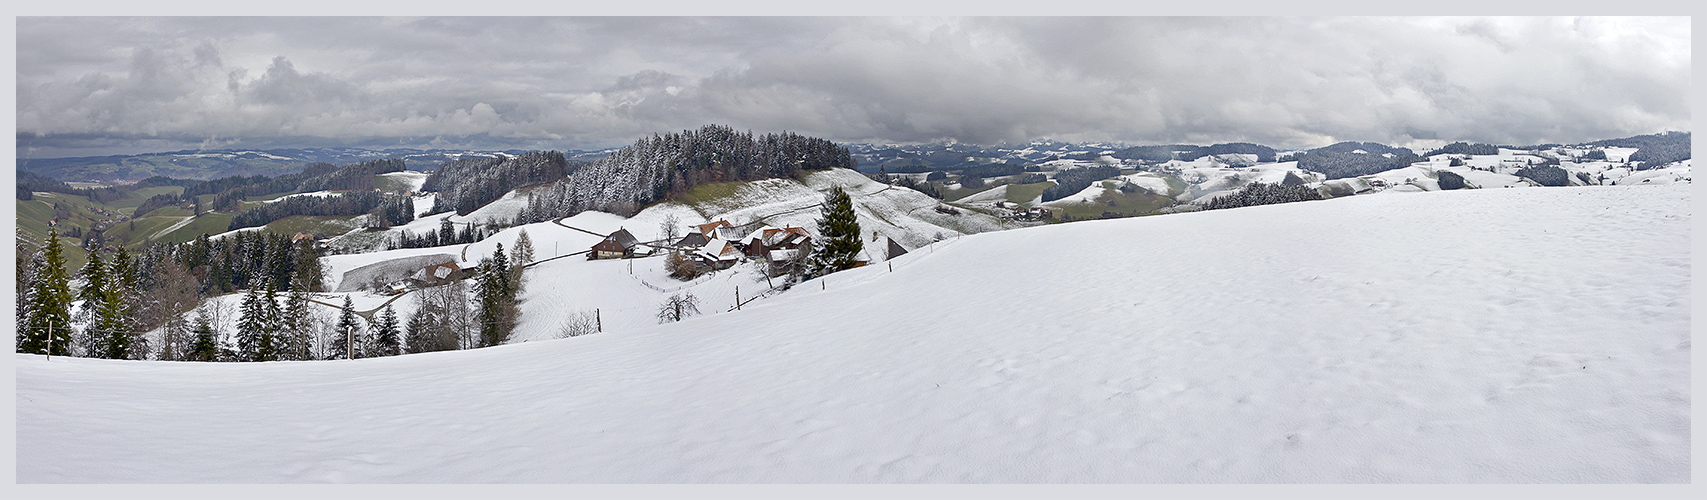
[[618, 245], [765, 239]]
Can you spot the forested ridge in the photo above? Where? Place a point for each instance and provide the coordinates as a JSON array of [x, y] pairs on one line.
[[466, 184], [659, 167]]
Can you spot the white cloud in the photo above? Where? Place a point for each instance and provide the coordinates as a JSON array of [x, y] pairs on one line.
[[594, 82]]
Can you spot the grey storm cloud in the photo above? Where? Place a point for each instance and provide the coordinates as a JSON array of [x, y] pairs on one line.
[[88, 84]]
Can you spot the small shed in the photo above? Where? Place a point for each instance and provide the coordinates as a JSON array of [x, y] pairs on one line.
[[619, 244]]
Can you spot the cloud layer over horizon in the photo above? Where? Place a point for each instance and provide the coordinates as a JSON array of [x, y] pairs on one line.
[[126, 85]]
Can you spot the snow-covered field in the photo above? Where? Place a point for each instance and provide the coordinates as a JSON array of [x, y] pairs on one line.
[[1472, 336]]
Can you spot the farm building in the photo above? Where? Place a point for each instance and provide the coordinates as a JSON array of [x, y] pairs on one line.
[[719, 253], [390, 271], [437, 274], [765, 239], [704, 233], [618, 245]]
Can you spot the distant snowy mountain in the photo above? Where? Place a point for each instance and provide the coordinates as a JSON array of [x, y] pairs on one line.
[[1470, 336]]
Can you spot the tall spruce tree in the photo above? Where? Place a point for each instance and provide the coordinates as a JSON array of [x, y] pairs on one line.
[[421, 334], [340, 343], [205, 346], [496, 297], [839, 243], [251, 328], [296, 326], [94, 312], [310, 273], [523, 252], [273, 341], [117, 312], [48, 321], [386, 341]]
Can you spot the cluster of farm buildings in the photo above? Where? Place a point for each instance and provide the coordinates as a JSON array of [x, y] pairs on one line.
[[715, 245]]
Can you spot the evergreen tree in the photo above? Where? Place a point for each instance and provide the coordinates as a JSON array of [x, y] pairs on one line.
[[205, 347], [339, 347], [495, 296], [118, 311], [523, 253], [296, 327], [419, 333], [506, 286], [519, 257], [385, 335], [310, 274], [273, 341], [252, 328], [838, 230], [95, 313], [48, 320]]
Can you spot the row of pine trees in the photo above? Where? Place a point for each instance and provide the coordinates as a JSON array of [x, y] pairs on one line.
[[276, 320]]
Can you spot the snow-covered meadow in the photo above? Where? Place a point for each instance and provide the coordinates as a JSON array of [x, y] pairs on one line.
[[1473, 336]]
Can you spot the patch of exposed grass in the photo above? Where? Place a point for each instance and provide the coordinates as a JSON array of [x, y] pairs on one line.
[[957, 194], [1117, 202], [709, 192], [1024, 193], [209, 223], [332, 225]]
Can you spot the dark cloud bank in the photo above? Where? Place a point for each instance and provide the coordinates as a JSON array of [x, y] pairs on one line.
[[124, 85]]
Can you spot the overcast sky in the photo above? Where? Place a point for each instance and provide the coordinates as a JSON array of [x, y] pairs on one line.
[[124, 85]]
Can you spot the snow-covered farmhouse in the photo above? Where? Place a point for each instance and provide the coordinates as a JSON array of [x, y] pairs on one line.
[[719, 253], [437, 274], [394, 270], [618, 245], [776, 244], [703, 233]]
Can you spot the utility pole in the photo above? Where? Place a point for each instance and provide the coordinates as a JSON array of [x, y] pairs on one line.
[[737, 297], [50, 340], [598, 321], [350, 336]]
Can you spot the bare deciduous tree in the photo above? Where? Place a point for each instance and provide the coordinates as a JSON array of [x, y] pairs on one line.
[[678, 307], [578, 323], [670, 229]]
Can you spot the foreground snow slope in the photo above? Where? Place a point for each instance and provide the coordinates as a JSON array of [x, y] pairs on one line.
[[1514, 335]]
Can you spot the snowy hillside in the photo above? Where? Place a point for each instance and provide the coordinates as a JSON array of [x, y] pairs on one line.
[[1495, 335]]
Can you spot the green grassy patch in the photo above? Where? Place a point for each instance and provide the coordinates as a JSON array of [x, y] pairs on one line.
[[1176, 185], [135, 233], [209, 223], [129, 203], [956, 194], [331, 225], [390, 184], [1024, 193], [1117, 202], [172, 211], [708, 192]]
